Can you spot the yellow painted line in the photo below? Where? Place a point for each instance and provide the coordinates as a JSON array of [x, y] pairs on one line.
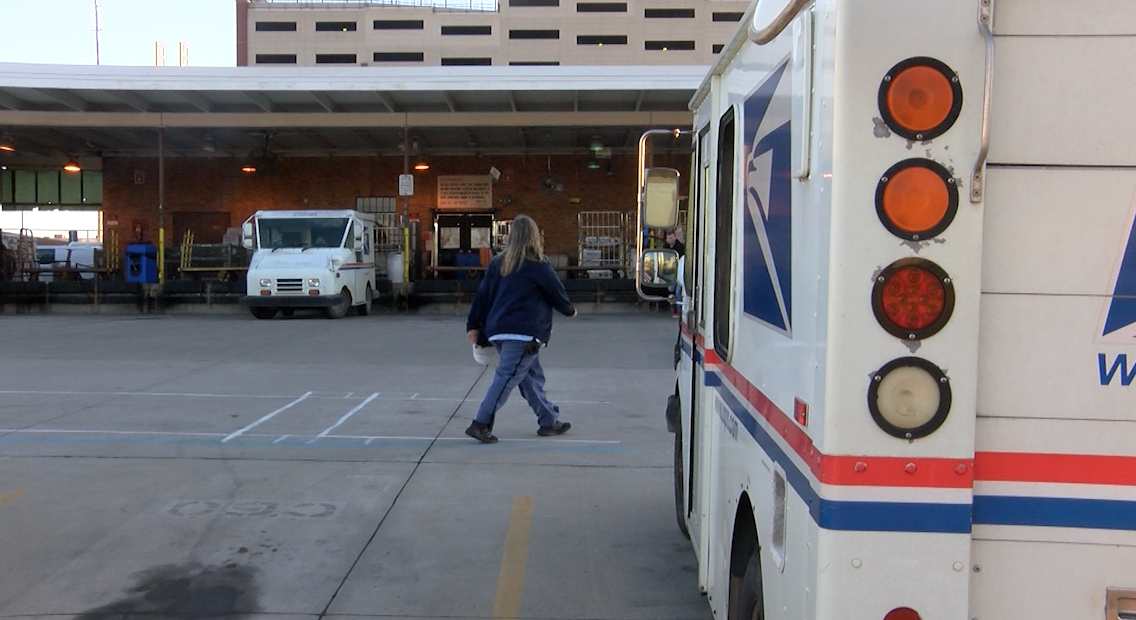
[[511, 581], [11, 497]]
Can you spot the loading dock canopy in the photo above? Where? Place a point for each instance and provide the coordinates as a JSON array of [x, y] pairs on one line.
[[60, 110]]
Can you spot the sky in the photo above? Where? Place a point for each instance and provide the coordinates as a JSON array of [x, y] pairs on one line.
[[63, 32]]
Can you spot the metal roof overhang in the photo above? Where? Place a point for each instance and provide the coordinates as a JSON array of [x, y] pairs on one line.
[[55, 111]]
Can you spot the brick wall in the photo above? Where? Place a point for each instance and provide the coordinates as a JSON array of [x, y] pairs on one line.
[[216, 184]]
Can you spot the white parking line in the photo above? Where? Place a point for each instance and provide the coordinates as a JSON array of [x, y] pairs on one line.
[[345, 417], [366, 439], [266, 418], [388, 396]]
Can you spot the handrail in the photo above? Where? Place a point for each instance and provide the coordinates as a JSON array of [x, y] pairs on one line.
[[977, 177], [770, 32]]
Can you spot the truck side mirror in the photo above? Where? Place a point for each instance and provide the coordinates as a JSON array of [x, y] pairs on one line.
[[659, 268], [247, 240], [660, 198]]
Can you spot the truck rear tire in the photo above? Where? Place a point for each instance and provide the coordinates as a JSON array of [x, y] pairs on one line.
[[339, 310], [263, 313], [750, 600], [365, 309]]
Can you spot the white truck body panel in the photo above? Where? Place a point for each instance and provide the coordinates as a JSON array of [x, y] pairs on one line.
[[1021, 503]]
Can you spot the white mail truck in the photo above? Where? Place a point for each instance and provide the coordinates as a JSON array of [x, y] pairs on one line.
[[908, 345], [309, 259]]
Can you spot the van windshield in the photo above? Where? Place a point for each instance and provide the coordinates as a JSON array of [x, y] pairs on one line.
[[308, 232]]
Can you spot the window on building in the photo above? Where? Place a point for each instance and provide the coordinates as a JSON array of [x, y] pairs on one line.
[[27, 189], [276, 26], [601, 7], [467, 30], [534, 3], [534, 34], [398, 57], [335, 26], [335, 59], [601, 39], [718, 47], [275, 59], [727, 17], [667, 46], [454, 62], [398, 24], [668, 13], [534, 63]]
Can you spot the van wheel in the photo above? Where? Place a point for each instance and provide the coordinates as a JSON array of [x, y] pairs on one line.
[[365, 309], [339, 310], [263, 313], [750, 601], [679, 474]]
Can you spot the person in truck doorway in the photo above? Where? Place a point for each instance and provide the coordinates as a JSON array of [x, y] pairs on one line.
[[513, 311]]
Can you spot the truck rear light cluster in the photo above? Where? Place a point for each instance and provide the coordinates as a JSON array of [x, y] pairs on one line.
[[913, 298]]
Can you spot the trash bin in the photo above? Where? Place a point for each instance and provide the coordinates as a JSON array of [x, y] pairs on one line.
[[142, 263], [394, 267], [466, 259]]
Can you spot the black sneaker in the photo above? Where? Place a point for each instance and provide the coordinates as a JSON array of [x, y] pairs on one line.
[[557, 428], [481, 433]]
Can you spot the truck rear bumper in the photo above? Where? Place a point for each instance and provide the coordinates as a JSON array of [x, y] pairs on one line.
[[291, 301]]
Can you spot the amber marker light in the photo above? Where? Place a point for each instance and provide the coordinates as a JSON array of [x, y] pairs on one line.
[[920, 98], [913, 298], [916, 199]]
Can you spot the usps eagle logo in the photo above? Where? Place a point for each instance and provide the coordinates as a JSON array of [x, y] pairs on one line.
[[1120, 314], [767, 238]]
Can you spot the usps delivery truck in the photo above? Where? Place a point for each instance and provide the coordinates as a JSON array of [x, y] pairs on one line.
[[309, 259], [908, 344]]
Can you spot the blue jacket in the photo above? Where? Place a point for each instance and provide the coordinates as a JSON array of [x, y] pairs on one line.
[[519, 303]]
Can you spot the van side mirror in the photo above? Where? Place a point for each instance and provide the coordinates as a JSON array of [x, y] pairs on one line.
[[247, 239], [660, 197]]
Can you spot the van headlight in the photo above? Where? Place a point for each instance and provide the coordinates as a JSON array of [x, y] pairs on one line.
[[266, 282], [313, 282]]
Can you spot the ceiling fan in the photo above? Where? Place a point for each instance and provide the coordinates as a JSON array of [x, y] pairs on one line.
[[551, 185]]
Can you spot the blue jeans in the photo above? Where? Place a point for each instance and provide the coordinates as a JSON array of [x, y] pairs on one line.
[[515, 368]]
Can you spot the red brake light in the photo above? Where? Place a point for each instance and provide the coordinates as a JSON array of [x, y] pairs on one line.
[[913, 298], [903, 613]]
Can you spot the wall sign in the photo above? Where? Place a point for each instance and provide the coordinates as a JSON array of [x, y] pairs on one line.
[[465, 193]]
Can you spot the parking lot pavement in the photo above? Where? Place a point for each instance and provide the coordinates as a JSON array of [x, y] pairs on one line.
[[199, 466]]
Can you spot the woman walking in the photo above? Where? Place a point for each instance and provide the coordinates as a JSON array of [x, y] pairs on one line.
[[513, 309]]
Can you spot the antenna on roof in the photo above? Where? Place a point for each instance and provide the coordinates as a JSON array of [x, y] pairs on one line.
[[97, 30]]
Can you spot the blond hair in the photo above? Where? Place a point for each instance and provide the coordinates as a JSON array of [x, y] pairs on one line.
[[524, 243]]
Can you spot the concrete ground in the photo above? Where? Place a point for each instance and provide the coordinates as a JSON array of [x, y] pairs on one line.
[[199, 466]]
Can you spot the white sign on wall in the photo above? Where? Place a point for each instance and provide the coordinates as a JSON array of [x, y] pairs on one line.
[[406, 185], [465, 193]]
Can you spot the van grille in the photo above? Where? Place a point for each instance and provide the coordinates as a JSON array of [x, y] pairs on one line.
[[289, 285]]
